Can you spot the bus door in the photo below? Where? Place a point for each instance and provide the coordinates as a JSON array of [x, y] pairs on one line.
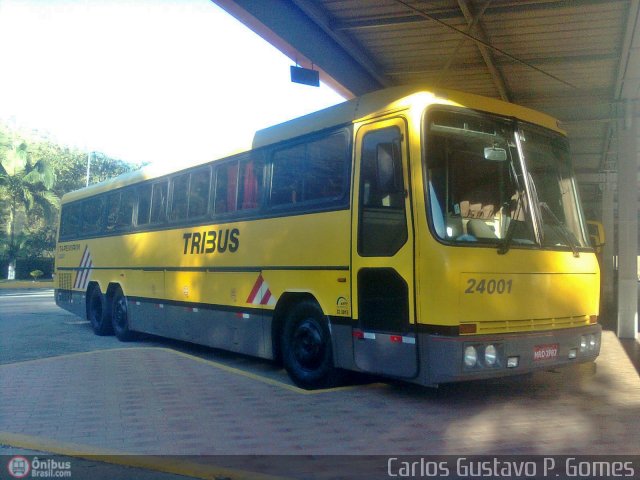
[[382, 253]]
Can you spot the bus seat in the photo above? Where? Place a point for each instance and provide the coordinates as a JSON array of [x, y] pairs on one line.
[[476, 210], [479, 229]]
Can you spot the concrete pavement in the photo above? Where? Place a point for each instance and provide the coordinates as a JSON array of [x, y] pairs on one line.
[[145, 399]]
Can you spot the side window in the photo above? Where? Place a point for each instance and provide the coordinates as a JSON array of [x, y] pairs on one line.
[[144, 204], [113, 205], [179, 197], [125, 212], [92, 215], [226, 188], [71, 219], [383, 221], [326, 168], [199, 192], [313, 171], [159, 202], [250, 184], [287, 175]]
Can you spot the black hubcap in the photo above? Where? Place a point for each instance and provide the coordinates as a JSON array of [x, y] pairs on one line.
[[308, 345]]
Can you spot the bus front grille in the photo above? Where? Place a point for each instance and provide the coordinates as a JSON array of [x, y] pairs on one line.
[[530, 325]]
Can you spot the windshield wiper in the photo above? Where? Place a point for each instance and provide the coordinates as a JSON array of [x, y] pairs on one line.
[[504, 246], [564, 231]]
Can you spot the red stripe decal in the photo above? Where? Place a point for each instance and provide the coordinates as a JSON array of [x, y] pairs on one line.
[[256, 289], [266, 298]]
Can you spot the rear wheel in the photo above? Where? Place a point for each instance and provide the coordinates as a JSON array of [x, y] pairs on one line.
[[96, 312], [306, 347], [120, 317]]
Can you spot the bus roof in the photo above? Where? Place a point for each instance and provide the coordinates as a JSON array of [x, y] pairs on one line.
[[359, 108]]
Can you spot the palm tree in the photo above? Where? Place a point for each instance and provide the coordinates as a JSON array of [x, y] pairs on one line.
[[23, 185]]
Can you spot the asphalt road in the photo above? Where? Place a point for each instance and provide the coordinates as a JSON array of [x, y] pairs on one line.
[[32, 326]]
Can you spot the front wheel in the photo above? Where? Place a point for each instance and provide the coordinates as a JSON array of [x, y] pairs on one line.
[[306, 347], [120, 317]]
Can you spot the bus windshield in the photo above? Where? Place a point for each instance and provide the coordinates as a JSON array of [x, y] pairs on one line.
[[493, 181], [554, 187]]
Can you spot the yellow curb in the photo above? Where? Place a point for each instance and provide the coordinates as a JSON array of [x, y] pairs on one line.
[[220, 366], [147, 462], [25, 284], [262, 379]]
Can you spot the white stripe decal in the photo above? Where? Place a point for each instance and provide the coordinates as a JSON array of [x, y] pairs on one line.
[[261, 294], [76, 283], [86, 274]]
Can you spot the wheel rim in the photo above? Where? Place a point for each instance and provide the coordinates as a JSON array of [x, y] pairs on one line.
[[308, 344], [120, 314]]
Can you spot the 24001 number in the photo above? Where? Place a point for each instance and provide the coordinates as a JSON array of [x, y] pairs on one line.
[[490, 287]]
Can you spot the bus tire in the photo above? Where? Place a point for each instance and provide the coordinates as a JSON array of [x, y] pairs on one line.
[[96, 312], [120, 317], [306, 347]]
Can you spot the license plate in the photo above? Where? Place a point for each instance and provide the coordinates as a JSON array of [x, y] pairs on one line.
[[545, 352]]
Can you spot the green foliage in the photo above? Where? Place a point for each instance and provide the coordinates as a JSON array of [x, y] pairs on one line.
[[26, 265], [70, 166], [34, 175], [36, 274]]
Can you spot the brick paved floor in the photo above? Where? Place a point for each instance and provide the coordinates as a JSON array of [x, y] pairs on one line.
[[157, 401]]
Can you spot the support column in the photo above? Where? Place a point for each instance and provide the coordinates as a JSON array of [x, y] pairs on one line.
[[608, 301], [628, 225]]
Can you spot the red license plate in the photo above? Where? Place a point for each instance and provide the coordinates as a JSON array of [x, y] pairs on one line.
[[545, 352]]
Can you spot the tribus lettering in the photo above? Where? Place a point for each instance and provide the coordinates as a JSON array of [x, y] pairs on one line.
[[211, 241]]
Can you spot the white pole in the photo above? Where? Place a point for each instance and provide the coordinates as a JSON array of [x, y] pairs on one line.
[[88, 166]]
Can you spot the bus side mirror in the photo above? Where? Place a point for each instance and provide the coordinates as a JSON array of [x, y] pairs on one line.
[[596, 234]]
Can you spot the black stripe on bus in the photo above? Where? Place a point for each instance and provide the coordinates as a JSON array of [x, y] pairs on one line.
[[443, 330], [217, 269], [198, 305]]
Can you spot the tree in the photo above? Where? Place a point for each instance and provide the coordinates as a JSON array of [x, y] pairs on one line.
[[24, 184], [28, 195], [36, 274], [70, 166]]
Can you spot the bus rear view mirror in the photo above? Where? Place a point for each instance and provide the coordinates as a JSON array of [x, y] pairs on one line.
[[495, 154]]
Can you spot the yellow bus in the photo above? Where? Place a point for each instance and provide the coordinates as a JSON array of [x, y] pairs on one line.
[[421, 234]]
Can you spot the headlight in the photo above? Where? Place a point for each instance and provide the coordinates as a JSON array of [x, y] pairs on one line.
[[592, 342], [583, 343], [470, 356], [490, 355]]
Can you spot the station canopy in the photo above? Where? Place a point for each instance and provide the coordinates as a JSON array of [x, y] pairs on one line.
[[577, 60]]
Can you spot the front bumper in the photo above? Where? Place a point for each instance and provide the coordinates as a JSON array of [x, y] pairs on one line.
[[443, 357]]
